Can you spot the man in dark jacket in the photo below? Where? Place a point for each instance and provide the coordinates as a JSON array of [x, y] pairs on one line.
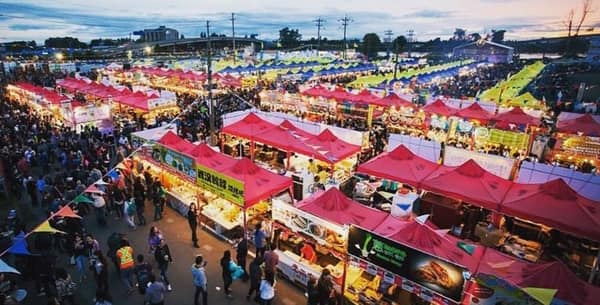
[[163, 258], [192, 217], [255, 278]]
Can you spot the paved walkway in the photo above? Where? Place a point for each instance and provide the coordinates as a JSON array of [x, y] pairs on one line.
[[177, 235]]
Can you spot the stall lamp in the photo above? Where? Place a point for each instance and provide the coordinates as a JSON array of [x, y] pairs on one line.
[[59, 56]]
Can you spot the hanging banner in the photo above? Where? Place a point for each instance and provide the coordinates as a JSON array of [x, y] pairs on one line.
[[225, 187], [428, 272], [175, 160]]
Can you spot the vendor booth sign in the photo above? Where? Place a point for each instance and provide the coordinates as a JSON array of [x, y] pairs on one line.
[[426, 271], [225, 187], [177, 161]]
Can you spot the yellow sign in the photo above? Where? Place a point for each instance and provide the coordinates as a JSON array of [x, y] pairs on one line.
[[370, 115], [225, 187]]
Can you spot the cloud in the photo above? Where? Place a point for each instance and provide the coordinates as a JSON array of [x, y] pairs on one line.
[[430, 13]]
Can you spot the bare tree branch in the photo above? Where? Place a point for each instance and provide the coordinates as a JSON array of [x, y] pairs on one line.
[[586, 9], [568, 22]]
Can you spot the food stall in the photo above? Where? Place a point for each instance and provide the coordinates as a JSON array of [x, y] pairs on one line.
[[439, 120], [405, 262], [319, 103], [311, 235], [382, 193], [577, 141], [402, 116]]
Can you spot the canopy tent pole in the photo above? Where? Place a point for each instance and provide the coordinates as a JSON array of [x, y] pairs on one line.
[[594, 268], [245, 236]]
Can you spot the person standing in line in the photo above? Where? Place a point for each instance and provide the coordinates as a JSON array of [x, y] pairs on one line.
[[226, 268], [163, 257], [192, 217], [260, 240], [200, 282], [312, 291], [325, 287], [125, 256], [158, 200], [271, 260], [241, 253], [267, 289], [155, 293], [255, 277], [140, 203]]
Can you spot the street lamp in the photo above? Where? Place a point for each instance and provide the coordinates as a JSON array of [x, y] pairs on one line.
[[59, 56], [148, 49]]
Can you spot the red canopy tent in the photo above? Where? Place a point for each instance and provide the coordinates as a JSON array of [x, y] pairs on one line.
[[331, 146], [259, 183], [474, 112], [315, 91], [388, 165], [439, 107], [206, 156], [137, 100], [364, 97], [427, 238], [554, 275], [294, 129], [340, 94], [287, 140], [515, 116], [556, 204], [469, 182], [393, 100], [585, 124], [72, 84], [248, 127], [53, 97], [332, 205]]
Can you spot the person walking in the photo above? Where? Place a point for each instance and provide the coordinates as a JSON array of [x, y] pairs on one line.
[[241, 253], [142, 271], [80, 252], [271, 260], [154, 238], [158, 200], [65, 287], [192, 217], [129, 211], [226, 273], [200, 282], [100, 269], [125, 256], [255, 277], [155, 293], [163, 257], [267, 289], [119, 199], [99, 209], [140, 203]]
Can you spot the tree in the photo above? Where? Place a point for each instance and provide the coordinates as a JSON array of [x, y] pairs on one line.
[[573, 26], [370, 45], [64, 43], [498, 35], [475, 36], [399, 44], [460, 34], [289, 38]]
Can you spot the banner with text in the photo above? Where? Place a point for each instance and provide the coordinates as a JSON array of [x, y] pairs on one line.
[[429, 272], [225, 187]]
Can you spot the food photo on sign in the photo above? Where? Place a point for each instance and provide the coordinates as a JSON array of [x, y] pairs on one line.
[[440, 276]]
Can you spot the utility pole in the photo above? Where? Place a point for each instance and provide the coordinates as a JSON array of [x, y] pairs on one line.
[[345, 22], [410, 35], [233, 36], [319, 22], [213, 137], [388, 40]]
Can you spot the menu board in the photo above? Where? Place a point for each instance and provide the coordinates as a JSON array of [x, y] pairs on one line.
[[225, 187], [172, 159], [428, 272]]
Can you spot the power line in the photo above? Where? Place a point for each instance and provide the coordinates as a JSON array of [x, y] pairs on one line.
[[345, 22], [319, 22], [233, 36]]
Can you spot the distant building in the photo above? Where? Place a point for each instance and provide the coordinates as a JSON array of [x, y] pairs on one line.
[[484, 50], [162, 33], [593, 53]]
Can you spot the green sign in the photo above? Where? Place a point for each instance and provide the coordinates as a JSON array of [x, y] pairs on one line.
[[175, 160], [223, 186]]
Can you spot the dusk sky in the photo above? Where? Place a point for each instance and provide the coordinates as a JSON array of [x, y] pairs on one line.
[[523, 19]]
